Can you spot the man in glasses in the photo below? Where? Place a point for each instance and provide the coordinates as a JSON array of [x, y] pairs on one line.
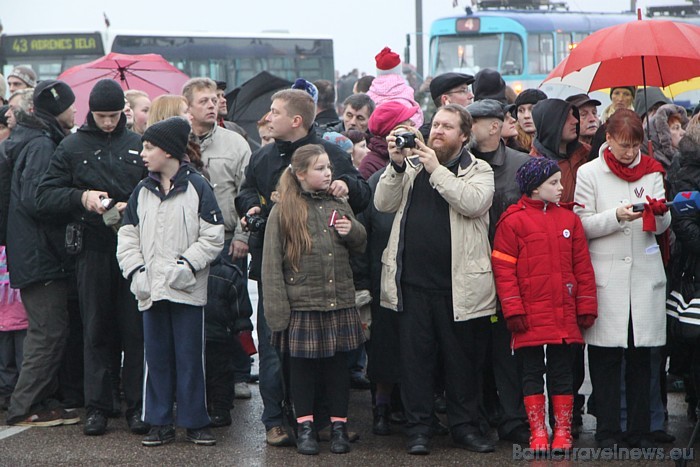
[[449, 88]]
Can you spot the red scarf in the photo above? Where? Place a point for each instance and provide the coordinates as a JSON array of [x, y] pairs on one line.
[[647, 165]]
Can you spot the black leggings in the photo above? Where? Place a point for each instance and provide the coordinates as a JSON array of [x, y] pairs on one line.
[[306, 373], [557, 367]]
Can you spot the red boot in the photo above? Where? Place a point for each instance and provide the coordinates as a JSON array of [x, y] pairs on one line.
[[563, 407], [534, 406]]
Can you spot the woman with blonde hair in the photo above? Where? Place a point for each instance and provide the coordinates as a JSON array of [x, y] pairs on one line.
[[140, 104]]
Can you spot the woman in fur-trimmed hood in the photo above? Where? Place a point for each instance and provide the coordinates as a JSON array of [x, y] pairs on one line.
[[666, 128]]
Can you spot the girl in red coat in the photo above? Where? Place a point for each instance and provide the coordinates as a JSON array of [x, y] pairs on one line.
[[546, 286]]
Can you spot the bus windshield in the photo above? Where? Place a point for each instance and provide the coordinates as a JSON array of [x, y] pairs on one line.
[[469, 54], [236, 59]]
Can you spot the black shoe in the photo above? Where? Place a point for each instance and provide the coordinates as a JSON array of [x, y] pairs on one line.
[[201, 436], [397, 417], [159, 435], [418, 445], [96, 424], [440, 403], [439, 428], [340, 443], [307, 440], [518, 435], [474, 442], [380, 423], [136, 425], [660, 436], [220, 418], [359, 382]]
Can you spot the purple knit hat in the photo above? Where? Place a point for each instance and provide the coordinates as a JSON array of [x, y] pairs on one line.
[[534, 173]]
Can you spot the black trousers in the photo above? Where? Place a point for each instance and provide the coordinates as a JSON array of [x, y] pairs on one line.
[[305, 375], [557, 367], [106, 304], [579, 374], [507, 372], [604, 364], [70, 375], [220, 375], [427, 330]]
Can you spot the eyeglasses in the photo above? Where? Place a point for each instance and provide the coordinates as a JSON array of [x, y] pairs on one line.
[[459, 91]]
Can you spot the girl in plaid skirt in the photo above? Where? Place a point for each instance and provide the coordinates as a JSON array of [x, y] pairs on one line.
[[308, 292]]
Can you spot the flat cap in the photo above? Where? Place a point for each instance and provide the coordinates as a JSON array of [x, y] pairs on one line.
[[446, 81], [486, 108], [582, 99]]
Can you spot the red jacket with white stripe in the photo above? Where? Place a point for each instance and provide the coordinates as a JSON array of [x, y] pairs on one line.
[[543, 271]]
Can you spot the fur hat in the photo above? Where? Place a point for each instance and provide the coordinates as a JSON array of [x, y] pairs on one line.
[[171, 135], [308, 87], [53, 96], [388, 62], [343, 142], [534, 173], [106, 96], [25, 74], [489, 84], [387, 115]]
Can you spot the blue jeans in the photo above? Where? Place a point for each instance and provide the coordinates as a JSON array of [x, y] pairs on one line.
[[270, 374]]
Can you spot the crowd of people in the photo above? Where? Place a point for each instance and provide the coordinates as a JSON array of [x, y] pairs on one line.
[[447, 262]]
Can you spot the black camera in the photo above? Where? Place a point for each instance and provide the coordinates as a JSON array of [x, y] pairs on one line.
[[255, 222], [406, 140]]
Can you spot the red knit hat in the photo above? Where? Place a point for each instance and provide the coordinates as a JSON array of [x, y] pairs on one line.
[[388, 62], [387, 115]]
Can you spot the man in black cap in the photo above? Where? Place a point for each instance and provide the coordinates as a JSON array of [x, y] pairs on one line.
[[588, 116], [36, 258], [487, 145], [448, 88], [523, 113], [92, 173]]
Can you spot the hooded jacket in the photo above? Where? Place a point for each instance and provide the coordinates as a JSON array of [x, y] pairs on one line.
[[91, 159], [35, 241], [549, 116], [646, 99], [543, 271], [377, 158], [660, 133]]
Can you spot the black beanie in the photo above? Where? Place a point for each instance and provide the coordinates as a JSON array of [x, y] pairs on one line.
[[528, 96], [171, 135], [53, 96], [106, 96]]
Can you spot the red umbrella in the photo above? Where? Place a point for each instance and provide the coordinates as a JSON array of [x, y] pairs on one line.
[[150, 73], [638, 53]]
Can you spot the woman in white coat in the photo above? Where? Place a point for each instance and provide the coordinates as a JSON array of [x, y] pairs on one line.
[[629, 271]]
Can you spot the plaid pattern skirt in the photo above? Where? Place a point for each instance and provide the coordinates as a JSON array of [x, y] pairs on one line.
[[320, 334]]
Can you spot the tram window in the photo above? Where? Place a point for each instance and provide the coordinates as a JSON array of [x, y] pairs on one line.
[[563, 45], [512, 61], [469, 54], [540, 50]]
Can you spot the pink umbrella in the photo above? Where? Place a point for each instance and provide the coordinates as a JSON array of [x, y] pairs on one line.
[[149, 73]]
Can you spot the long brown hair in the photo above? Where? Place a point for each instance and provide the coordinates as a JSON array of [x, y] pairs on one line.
[[292, 207]]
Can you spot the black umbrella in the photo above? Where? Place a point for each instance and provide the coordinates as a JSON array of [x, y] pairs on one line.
[[250, 101]]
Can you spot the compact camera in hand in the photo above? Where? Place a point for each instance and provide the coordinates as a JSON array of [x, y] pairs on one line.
[[255, 222], [406, 140], [107, 203]]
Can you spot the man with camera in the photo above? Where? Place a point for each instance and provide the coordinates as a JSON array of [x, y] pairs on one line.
[[291, 118], [444, 291], [89, 181]]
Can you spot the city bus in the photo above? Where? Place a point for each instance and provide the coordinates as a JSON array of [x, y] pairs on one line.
[[233, 58], [523, 45]]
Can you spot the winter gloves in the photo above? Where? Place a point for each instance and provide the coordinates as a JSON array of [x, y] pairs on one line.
[[517, 324], [585, 321], [653, 207]]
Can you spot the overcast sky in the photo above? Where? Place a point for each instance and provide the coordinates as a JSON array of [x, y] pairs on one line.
[[360, 28]]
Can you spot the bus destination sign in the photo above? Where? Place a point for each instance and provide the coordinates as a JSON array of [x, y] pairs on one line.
[[52, 44]]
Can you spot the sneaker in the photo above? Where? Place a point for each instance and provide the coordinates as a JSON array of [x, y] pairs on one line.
[[242, 390], [47, 418], [201, 436], [277, 436], [159, 435], [69, 417]]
